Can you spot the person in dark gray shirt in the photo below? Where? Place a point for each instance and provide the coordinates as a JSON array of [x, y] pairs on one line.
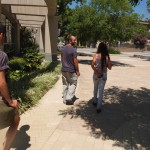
[[68, 53], [9, 115], [70, 70]]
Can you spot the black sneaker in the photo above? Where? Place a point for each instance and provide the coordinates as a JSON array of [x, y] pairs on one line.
[[69, 102], [94, 103], [98, 110]]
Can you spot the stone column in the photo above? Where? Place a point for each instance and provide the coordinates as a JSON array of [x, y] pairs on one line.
[[48, 50], [41, 42], [37, 35], [1, 37], [51, 34], [17, 38], [54, 35], [0, 12]]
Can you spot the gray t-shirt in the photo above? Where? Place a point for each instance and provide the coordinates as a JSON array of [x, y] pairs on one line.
[[3, 61], [3, 64], [67, 56]]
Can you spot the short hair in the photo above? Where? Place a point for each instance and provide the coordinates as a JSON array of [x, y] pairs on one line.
[[69, 38]]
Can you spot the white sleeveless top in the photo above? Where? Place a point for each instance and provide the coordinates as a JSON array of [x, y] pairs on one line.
[[99, 63]]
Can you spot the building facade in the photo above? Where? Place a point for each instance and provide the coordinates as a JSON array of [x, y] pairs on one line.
[[39, 15]]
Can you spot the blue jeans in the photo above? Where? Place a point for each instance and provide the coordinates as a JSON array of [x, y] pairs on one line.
[[99, 85]]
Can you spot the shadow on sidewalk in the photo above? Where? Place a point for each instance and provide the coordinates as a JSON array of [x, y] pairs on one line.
[[84, 54], [125, 117], [22, 139], [115, 63], [86, 62]]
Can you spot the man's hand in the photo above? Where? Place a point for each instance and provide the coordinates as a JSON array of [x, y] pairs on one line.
[[78, 73], [76, 66], [14, 103]]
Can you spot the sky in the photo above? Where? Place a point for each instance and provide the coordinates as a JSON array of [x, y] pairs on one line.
[[141, 9]]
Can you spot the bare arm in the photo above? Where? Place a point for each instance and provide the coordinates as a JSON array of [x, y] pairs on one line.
[[1, 39], [93, 67], [109, 64], [75, 60], [93, 64], [4, 90]]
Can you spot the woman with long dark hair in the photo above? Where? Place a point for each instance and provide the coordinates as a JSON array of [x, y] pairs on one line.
[[100, 63]]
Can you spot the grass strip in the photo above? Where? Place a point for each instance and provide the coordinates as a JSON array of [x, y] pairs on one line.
[[32, 87]]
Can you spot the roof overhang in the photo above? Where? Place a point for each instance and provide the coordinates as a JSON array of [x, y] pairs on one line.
[[31, 25], [30, 18], [31, 11], [24, 2]]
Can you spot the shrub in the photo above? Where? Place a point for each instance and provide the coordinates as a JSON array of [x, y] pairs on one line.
[[30, 88], [17, 63], [59, 52], [16, 74], [26, 38], [19, 67], [33, 59], [112, 51], [139, 40], [81, 47], [9, 48]]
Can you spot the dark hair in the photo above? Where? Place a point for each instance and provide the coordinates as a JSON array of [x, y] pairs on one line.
[[68, 38], [102, 48], [2, 29]]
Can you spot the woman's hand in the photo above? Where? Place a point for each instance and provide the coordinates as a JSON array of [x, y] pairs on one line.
[[99, 75], [109, 64]]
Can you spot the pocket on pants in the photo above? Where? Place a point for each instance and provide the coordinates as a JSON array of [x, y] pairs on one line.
[[104, 76], [95, 77], [74, 78], [6, 115], [63, 80]]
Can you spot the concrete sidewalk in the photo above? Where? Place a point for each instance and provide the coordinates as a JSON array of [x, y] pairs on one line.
[[143, 55], [123, 124]]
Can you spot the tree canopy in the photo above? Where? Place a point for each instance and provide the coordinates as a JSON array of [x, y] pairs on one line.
[[134, 2], [110, 21], [63, 5], [63, 12], [148, 5]]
